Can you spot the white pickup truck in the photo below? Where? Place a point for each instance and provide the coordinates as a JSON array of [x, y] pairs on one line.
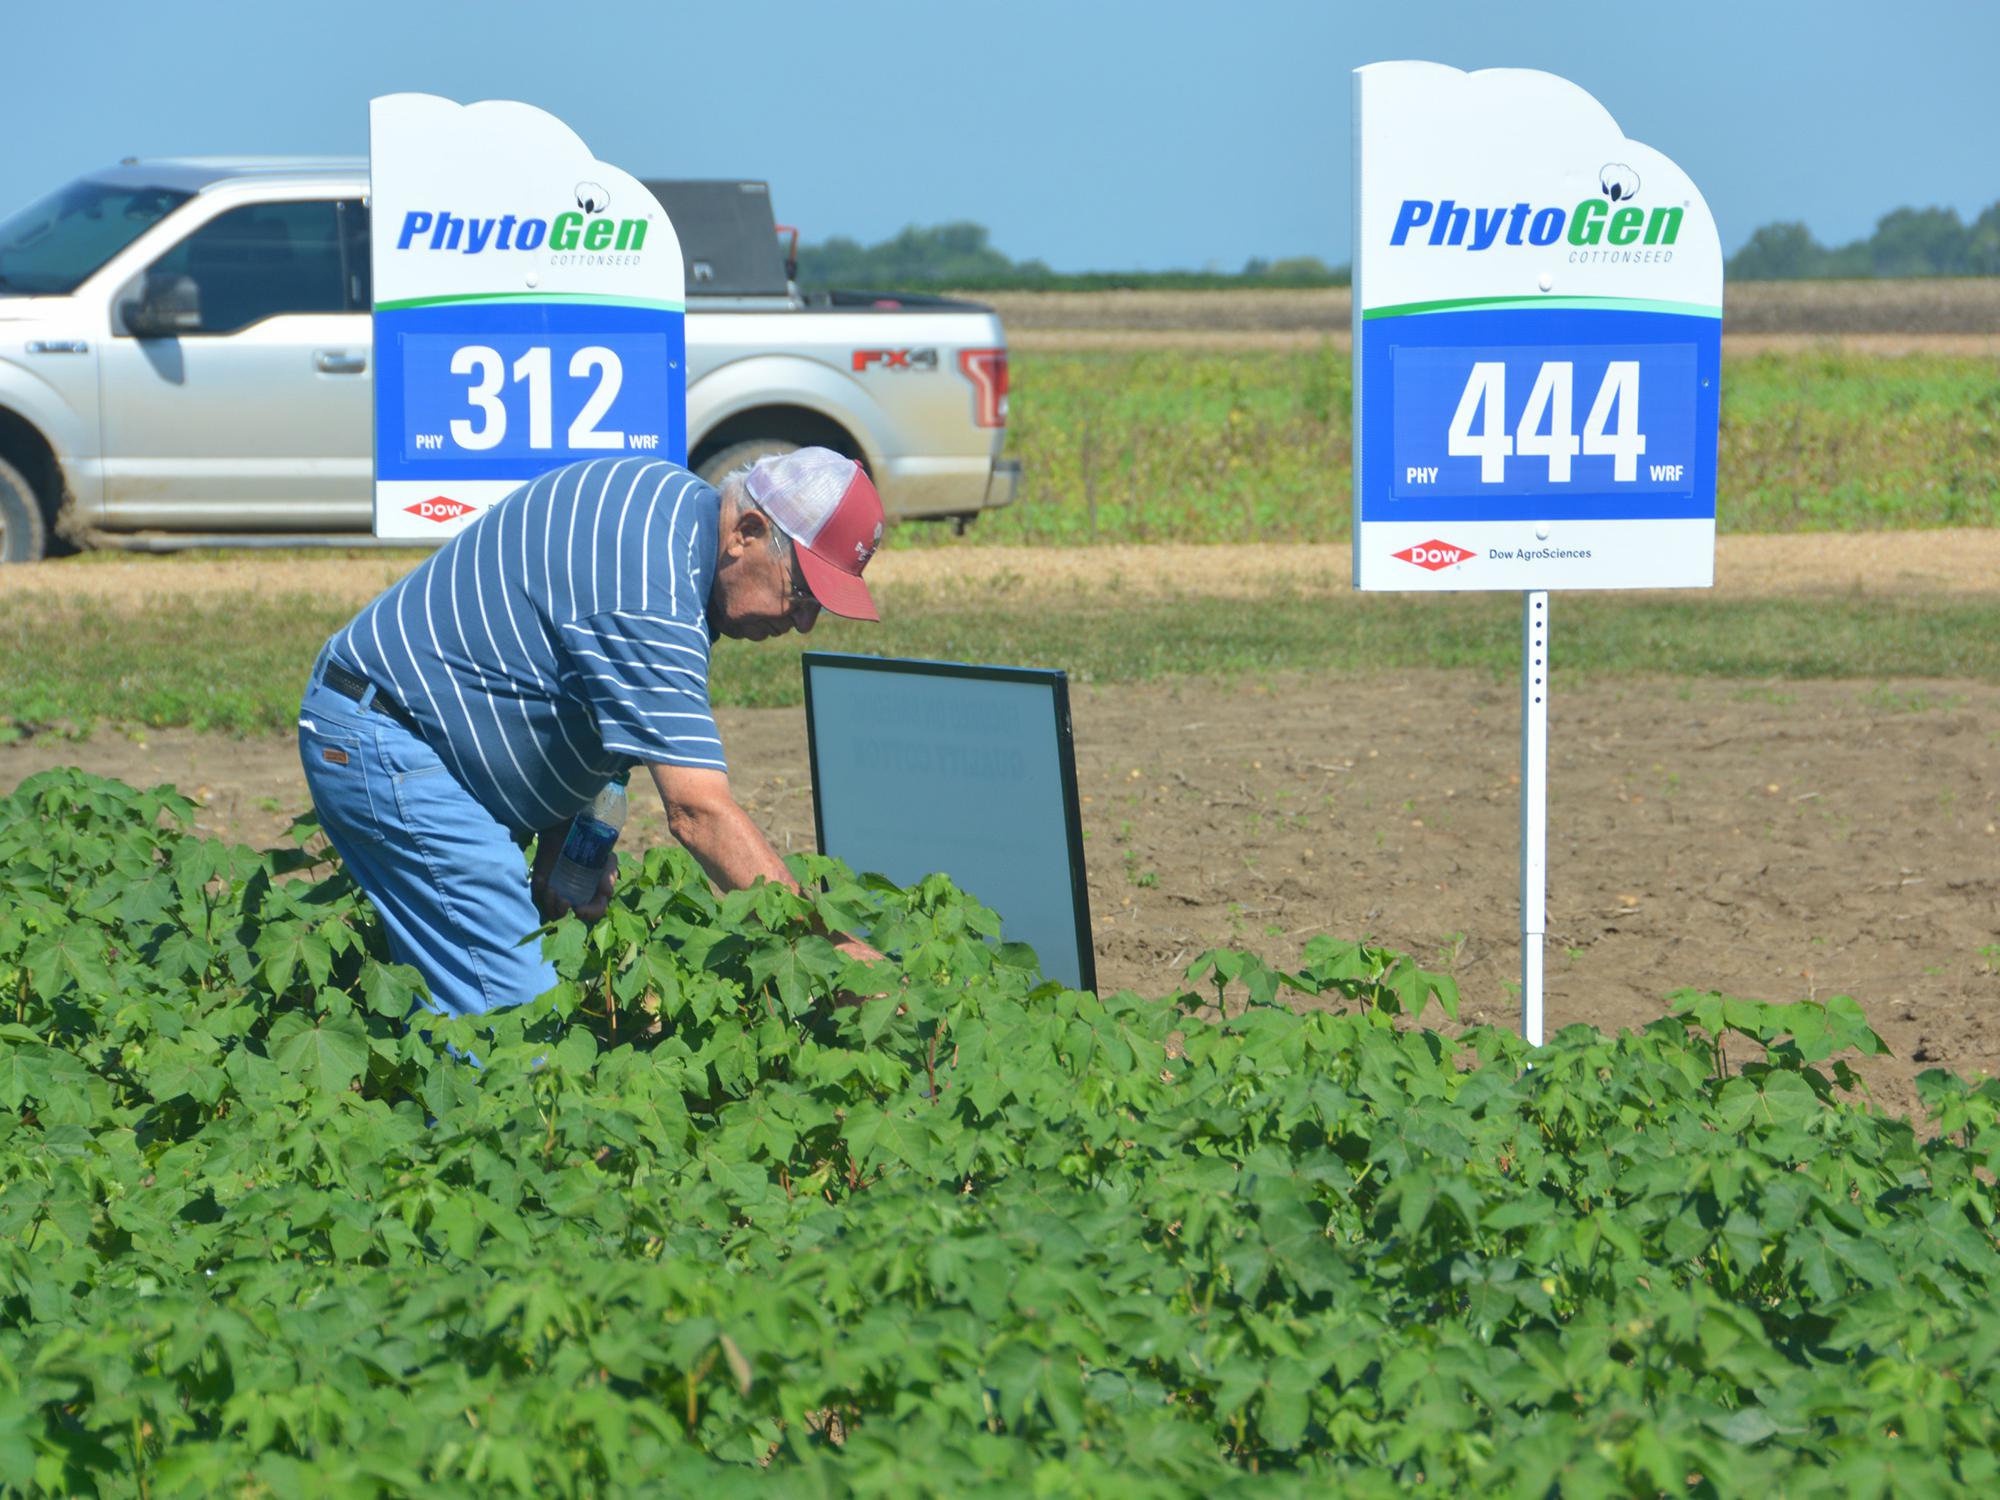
[[185, 360]]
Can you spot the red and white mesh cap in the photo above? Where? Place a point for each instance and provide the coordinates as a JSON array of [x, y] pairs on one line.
[[828, 506]]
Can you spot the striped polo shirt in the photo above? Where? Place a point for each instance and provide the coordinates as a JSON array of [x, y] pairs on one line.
[[558, 640]]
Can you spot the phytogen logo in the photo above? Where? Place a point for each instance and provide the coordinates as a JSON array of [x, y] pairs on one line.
[[1610, 220], [440, 229], [1619, 182], [1434, 555]]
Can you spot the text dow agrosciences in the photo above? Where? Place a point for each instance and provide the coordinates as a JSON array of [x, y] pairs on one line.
[[1592, 222]]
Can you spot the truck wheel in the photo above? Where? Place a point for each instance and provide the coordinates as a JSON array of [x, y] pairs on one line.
[[23, 537], [736, 455]]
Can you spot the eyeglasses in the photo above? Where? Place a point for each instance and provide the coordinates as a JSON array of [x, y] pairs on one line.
[[801, 595]]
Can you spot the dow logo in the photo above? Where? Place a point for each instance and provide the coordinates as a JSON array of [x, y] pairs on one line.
[[1434, 555], [440, 508]]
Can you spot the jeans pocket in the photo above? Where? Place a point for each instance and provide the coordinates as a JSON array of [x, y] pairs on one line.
[[405, 757], [335, 761]]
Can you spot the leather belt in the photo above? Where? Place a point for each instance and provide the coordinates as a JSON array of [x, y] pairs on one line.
[[353, 685]]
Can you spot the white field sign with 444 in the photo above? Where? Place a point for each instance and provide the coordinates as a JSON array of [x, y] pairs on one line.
[[1538, 316]]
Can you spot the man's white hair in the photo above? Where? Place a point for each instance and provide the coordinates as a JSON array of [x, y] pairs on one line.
[[732, 486], [735, 492]]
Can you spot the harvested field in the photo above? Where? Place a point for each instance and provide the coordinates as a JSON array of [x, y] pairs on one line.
[[1139, 340], [1322, 310], [1956, 307], [1945, 307], [1943, 561], [1265, 340], [1887, 317]]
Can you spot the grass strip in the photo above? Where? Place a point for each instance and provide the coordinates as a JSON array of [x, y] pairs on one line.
[[240, 670], [1185, 446], [1182, 445]]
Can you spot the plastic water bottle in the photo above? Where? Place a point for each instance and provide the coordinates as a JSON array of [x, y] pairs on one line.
[[587, 850]]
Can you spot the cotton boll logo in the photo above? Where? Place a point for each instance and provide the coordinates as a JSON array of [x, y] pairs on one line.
[[1619, 181], [592, 199]]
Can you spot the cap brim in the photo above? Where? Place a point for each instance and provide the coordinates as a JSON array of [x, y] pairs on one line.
[[838, 591]]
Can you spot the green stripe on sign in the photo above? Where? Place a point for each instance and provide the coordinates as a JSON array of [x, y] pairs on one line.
[[591, 298], [1492, 304]]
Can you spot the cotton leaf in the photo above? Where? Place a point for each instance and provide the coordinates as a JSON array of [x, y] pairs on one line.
[[328, 1056]]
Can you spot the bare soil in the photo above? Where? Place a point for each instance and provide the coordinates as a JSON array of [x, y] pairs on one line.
[[1829, 838], [1809, 840], [1929, 561]]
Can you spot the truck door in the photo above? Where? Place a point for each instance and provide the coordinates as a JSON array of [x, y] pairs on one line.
[[257, 417]]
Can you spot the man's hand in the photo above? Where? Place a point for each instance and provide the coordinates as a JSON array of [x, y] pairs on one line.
[[547, 902], [857, 950], [860, 952], [705, 817], [703, 814]]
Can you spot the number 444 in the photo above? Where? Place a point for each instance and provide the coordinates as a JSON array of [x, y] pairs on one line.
[[1484, 401]]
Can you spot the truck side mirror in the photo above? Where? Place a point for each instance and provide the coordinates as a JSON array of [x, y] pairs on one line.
[[166, 307]]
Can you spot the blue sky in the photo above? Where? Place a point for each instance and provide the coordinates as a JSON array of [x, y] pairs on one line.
[[1106, 135]]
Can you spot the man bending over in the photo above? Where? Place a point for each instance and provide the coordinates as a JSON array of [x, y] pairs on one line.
[[560, 640]]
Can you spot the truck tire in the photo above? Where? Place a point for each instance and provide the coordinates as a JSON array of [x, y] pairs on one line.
[[23, 534], [736, 455]]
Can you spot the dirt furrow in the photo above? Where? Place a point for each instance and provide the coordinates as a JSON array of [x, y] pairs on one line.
[[1806, 562]]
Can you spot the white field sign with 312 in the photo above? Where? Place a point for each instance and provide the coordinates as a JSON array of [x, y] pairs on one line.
[[502, 351]]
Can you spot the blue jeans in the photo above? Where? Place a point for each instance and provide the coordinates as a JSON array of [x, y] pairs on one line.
[[445, 875]]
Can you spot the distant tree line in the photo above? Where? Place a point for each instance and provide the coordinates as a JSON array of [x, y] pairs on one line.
[[1907, 242], [962, 256]]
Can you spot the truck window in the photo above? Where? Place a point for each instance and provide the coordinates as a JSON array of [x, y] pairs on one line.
[[262, 261], [55, 244], [357, 272]]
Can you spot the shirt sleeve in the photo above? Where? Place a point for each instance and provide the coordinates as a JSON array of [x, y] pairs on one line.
[[643, 679]]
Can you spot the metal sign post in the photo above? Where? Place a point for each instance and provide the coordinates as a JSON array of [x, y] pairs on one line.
[[1537, 369], [1534, 804], [528, 309]]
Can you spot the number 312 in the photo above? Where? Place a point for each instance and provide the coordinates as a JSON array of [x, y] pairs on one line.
[[532, 369]]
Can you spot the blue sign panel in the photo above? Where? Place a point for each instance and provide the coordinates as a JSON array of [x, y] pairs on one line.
[[507, 390], [1550, 420], [1539, 414]]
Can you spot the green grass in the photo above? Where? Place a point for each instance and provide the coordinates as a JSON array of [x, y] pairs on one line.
[[115, 557], [240, 670], [1180, 445]]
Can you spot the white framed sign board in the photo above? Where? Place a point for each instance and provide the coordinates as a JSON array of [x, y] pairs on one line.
[[529, 309], [927, 766], [1537, 367]]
